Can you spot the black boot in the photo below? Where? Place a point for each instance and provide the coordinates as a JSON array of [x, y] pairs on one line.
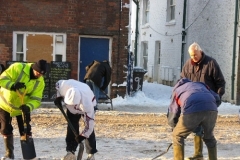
[[8, 142]]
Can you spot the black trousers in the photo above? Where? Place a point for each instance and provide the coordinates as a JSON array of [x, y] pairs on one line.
[[90, 143], [6, 123]]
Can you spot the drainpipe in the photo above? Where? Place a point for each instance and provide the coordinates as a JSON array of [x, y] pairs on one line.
[[234, 47], [183, 33], [119, 43], [136, 32]]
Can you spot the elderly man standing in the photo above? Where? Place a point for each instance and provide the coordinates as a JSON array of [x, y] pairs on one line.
[[202, 68], [193, 103]]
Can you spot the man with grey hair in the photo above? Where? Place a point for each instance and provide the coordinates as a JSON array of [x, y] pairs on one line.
[[202, 68]]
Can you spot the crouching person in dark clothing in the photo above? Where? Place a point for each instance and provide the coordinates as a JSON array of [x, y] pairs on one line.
[[193, 104]]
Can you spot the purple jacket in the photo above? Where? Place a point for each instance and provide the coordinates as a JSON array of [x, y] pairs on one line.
[[191, 97]]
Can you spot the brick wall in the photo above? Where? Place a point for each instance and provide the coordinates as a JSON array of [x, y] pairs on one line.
[[86, 17]]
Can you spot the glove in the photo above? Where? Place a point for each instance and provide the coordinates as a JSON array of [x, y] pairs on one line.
[[25, 109], [79, 138], [58, 101], [17, 86], [219, 101]]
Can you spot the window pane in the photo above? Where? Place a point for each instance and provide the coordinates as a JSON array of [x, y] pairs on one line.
[[20, 57], [172, 13], [145, 49], [19, 42], [145, 60], [159, 53], [58, 58]]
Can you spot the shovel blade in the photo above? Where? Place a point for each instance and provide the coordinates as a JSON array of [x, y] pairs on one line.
[[28, 148], [80, 151]]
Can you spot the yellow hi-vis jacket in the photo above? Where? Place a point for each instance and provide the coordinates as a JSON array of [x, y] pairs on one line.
[[9, 100]]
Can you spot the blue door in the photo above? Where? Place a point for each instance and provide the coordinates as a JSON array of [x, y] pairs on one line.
[[92, 49]]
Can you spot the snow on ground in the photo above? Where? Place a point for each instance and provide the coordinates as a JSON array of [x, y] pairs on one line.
[[153, 99]]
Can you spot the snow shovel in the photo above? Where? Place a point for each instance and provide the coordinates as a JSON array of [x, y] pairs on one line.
[[27, 144], [163, 152], [81, 146]]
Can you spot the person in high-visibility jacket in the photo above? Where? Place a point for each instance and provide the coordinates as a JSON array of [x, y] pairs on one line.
[[19, 80]]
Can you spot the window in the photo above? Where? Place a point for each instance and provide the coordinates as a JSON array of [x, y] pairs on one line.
[[30, 47], [19, 48], [158, 51], [146, 7], [58, 58], [170, 10], [145, 55]]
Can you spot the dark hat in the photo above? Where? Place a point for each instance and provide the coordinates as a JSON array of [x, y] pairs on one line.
[[40, 66]]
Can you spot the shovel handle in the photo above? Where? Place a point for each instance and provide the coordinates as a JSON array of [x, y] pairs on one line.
[[163, 152], [81, 146], [69, 122], [21, 96]]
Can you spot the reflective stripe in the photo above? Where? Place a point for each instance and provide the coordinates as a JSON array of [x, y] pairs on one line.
[[4, 78], [12, 106], [35, 98], [31, 106], [8, 84], [21, 73], [35, 86]]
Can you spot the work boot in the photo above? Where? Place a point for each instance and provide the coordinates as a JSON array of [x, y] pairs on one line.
[[8, 142], [212, 153], [90, 157], [178, 152], [69, 156], [198, 147]]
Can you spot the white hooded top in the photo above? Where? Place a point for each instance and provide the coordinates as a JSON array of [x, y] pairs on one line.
[[79, 99]]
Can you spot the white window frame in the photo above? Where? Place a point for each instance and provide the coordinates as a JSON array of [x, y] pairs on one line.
[[145, 54], [55, 40], [146, 11], [158, 51], [171, 10], [15, 45]]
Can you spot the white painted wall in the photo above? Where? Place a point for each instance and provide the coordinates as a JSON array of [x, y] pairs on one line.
[[211, 25], [159, 30], [133, 24]]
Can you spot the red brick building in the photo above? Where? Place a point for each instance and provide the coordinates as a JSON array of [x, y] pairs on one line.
[[67, 30]]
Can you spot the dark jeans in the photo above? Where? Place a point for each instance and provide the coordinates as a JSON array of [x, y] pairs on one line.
[[189, 122], [94, 88], [90, 143], [6, 123]]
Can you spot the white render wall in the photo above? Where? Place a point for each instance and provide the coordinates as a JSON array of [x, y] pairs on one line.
[[209, 23], [212, 27], [159, 30]]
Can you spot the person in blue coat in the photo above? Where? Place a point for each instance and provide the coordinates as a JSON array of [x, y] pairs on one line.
[[193, 104]]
